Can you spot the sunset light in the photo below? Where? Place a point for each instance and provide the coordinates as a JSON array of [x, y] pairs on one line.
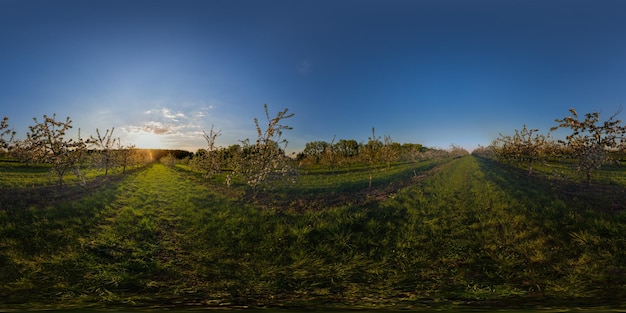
[[292, 156], [465, 68], [146, 140]]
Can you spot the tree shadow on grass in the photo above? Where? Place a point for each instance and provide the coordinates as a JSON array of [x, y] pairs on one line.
[[543, 188], [16, 199], [354, 192], [320, 195]]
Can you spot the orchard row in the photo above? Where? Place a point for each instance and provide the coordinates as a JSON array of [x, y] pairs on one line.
[[590, 144], [259, 163]]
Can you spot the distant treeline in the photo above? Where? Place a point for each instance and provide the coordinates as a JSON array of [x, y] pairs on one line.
[[157, 154]]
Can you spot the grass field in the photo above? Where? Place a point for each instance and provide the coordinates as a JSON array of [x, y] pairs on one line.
[[464, 231]]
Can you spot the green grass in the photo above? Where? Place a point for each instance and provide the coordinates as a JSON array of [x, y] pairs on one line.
[[466, 232], [350, 179], [15, 174], [565, 170]]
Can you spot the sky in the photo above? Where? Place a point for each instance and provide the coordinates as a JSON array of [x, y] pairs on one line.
[[431, 72]]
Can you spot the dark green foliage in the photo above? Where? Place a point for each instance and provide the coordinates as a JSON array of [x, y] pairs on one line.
[[350, 152], [177, 154]]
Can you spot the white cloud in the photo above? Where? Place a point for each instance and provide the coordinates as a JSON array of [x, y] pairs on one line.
[[180, 125], [157, 128], [167, 113], [173, 128]]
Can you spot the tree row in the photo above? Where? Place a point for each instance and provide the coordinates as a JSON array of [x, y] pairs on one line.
[[257, 163], [589, 143], [47, 142]]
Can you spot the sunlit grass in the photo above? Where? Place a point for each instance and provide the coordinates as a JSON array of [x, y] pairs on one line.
[[467, 230], [15, 174]]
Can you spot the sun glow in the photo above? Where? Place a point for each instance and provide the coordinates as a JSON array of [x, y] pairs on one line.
[[147, 140]]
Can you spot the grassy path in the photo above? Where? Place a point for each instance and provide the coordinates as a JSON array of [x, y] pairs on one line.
[[478, 231], [143, 247], [130, 241], [466, 235]]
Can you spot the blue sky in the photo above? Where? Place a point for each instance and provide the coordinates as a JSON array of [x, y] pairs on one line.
[[431, 72]]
